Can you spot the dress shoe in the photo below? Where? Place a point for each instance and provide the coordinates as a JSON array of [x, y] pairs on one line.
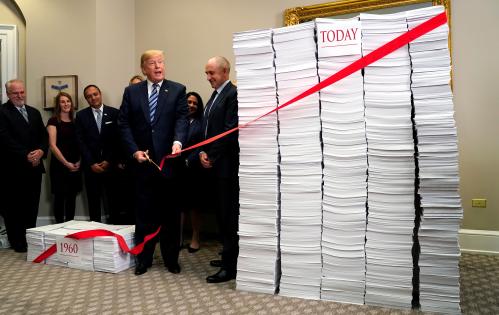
[[173, 268], [216, 263], [192, 250], [140, 269], [221, 276], [20, 249]]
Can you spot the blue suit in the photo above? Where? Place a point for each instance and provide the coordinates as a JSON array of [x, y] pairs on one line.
[[155, 199]]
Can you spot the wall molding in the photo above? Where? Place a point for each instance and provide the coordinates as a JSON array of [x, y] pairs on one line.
[[479, 241], [9, 57], [471, 241]]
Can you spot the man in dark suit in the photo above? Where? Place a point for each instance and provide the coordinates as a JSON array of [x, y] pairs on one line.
[[221, 158], [24, 143], [98, 136], [153, 123]]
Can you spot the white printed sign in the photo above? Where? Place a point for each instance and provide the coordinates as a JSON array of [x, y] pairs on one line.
[[338, 38], [71, 251]]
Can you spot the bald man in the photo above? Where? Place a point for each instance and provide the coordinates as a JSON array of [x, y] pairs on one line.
[[221, 159]]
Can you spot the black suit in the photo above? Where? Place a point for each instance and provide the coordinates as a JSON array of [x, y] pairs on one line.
[[97, 147], [224, 155], [22, 180], [156, 202]]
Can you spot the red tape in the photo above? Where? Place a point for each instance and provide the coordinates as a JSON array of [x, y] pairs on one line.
[[82, 235], [361, 63]]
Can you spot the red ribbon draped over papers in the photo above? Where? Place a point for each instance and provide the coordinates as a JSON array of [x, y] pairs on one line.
[[373, 56], [96, 233], [368, 59]]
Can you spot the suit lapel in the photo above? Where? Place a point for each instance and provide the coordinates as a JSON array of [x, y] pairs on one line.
[[162, 97], [17, 114], [144, 100], [92, 120], [219, 99]]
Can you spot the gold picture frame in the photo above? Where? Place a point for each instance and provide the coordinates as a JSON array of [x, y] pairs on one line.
[[297, 15], [52, 85]]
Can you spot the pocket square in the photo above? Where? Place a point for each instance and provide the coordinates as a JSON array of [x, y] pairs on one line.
[[108, 122]]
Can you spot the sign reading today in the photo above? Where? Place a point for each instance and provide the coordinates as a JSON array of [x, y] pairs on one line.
[[336, 38]]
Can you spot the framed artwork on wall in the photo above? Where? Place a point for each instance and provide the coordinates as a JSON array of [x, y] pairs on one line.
[[52, 85]]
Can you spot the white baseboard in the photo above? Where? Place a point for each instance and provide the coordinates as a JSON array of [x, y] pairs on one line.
[[471, 241], [479, 241], [41, 221]]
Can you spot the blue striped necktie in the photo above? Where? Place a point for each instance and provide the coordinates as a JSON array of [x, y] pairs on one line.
[[153, 101]]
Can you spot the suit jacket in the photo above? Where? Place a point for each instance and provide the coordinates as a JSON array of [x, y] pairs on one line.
[[224, 153], [18, 138], [96, 147], [170, 122], [194, 135]]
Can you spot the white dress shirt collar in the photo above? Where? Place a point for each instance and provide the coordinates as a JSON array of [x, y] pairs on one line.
[[150, 84]]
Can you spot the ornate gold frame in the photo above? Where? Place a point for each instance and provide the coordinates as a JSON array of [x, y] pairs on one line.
[[298, 15]]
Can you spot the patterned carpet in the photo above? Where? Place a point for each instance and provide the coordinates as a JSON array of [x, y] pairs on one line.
[[27, 288]]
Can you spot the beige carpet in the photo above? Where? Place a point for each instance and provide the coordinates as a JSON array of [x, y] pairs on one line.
[[27, 288]]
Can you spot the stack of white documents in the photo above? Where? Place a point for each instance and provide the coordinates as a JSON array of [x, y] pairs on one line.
[[345, 163], [438, 166], [391, 172], [108, 256], [258, 261], [301, 162], [99, 253], [35, 237]]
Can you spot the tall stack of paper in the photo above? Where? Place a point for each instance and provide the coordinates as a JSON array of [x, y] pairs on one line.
[[301, 162], [438, 167], [345, 163], [391, 172], [258, 262]]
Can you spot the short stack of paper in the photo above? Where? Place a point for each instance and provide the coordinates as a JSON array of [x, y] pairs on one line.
[[345, 163], [84, 249], [391, 172], [438, 167], [100, 253], [258, 261], [300, 165], [35, 237], [108, 256]]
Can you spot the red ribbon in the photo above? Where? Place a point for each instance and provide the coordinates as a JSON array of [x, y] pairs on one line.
[[361, 63], [82, 235]]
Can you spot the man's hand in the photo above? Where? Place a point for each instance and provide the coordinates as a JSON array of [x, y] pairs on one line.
[[34, 157], [176, 148], [104, 164], [141, 156], [205, 161], [97, 168]]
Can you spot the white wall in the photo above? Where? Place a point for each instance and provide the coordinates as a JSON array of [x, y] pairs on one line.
[[92, 39], [101, 41]]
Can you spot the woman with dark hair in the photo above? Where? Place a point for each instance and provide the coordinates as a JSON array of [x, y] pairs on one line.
[[65, 175], [191, 171]]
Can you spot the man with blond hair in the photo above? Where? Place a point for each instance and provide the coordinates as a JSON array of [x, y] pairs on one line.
[[24, 143], [153, 123]]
